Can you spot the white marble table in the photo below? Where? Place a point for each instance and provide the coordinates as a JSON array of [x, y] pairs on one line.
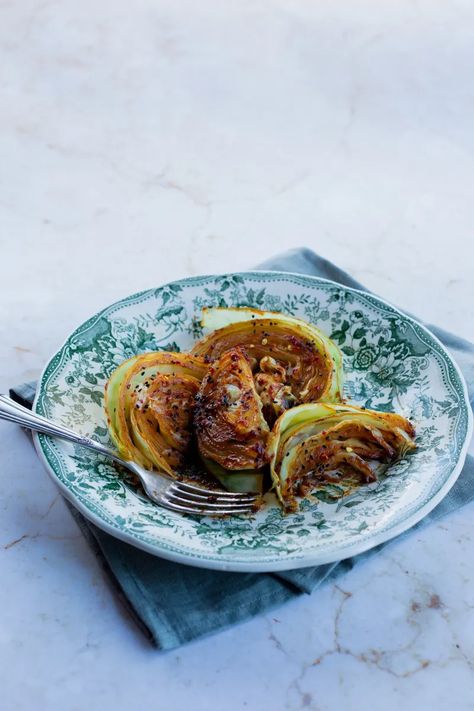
[[147, 141]]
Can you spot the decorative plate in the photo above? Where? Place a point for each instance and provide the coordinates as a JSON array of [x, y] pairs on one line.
[[391, 363]]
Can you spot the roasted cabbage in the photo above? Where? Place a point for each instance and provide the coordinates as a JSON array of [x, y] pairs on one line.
[[292, 361], [149, 401], [228, 419], [322, 443], [260, 395]]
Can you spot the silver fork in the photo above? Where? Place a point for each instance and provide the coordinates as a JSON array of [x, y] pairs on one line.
[[175, 495]]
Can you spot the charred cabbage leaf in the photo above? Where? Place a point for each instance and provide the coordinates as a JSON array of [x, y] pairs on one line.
[[228, 420], [149, 401], [293, 361], [322, 443]]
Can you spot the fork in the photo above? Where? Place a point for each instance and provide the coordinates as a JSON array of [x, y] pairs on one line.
[[175, 495]]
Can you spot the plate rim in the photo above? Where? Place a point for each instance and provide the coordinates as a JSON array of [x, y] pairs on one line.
[[294, 562]]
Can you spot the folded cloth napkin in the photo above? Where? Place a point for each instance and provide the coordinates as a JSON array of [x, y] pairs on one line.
[[176, 603]]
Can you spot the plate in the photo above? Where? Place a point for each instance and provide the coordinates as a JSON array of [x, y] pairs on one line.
[[391, 363]]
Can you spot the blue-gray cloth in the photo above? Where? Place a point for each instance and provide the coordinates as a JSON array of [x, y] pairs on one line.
[[174, 603]]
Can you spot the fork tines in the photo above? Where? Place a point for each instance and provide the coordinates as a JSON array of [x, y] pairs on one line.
[[185, 487], [195, 500]]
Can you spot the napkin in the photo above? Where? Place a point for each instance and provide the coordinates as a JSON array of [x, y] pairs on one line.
[[173, 603]]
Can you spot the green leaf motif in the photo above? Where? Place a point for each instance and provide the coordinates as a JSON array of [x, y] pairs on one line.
[[348, 350], [339, 337], [97, 396]]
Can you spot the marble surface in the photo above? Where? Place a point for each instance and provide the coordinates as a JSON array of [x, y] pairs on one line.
[[147, 141]]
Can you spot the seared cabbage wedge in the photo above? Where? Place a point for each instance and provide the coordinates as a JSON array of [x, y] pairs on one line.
[[261, 388], [149, 401], [323, 443], [230, 428], [293, 361]]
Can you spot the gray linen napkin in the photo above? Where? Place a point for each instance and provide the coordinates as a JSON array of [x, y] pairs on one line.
[[174, 603]]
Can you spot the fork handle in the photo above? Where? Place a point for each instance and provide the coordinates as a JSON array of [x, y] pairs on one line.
[[14, 412]]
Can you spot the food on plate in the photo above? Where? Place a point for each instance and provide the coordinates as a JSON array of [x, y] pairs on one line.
[[231, 430], [258, 403], [149, 401], [323, 442], [293, 361]]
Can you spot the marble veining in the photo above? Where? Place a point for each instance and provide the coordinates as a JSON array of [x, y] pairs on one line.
[[150, 142]]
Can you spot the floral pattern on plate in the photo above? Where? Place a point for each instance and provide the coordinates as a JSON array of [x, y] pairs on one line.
[[391, 363]]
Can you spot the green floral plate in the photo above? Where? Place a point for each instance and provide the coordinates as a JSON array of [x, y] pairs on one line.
[[391, 363]]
